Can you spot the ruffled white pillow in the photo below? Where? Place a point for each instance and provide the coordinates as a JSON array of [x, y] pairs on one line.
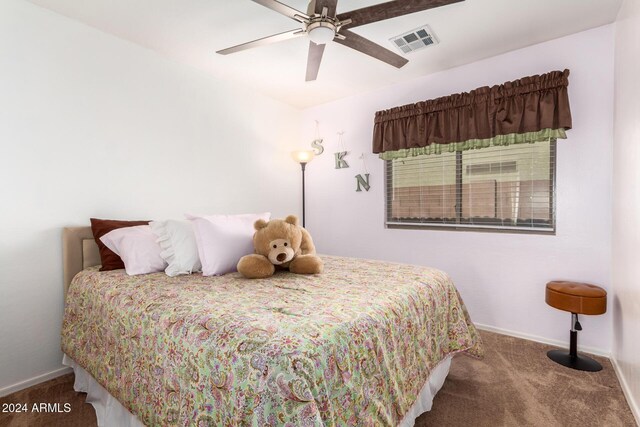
[[179, 248]]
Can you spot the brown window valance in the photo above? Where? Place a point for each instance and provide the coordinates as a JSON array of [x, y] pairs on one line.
[[510, 112]]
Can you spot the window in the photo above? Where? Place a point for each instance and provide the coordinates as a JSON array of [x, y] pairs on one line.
[[508, 188]]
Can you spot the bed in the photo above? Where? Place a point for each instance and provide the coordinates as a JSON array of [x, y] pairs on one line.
[[365, 343]]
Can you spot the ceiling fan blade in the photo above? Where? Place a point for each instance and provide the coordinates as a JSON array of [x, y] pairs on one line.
[[366, 46], [390, 9], [263, 41], [316, 6], [313, 60], [311, 8], [281, 8]]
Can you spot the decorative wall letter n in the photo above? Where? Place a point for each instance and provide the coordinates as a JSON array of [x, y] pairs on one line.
[[364, 182]]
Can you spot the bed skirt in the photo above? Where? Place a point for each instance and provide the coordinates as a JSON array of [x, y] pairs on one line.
[[111, 413]]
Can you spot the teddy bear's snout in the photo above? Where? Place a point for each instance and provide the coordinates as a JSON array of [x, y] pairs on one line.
[[280, 251]]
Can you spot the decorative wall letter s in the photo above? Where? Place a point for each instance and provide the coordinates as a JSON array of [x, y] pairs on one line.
[[316, 144]]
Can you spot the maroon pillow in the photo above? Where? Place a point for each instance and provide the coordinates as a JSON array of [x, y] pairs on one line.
[[100, 227]]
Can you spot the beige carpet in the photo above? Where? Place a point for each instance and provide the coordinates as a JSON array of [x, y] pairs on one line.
[[515, 385], [518, 385]]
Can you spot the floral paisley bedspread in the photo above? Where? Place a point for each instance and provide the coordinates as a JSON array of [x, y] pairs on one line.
[[352, 346]]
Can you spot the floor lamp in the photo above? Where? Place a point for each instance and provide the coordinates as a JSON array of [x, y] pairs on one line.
[[303, 157]]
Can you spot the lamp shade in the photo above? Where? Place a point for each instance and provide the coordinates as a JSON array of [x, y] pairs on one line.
[[303, 156]]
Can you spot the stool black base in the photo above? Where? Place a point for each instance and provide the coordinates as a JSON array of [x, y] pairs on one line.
[[572, 359], [580, 363]]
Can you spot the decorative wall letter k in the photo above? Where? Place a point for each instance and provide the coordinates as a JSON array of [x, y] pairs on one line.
[[340, 162]]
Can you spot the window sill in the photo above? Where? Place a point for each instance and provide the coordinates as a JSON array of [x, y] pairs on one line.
[[476, 228]]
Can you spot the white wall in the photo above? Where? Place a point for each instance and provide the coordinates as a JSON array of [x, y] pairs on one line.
[[500, 276], [91, 125], [626, 203]]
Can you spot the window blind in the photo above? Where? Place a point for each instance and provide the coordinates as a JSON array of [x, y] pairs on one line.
[[504, 187]]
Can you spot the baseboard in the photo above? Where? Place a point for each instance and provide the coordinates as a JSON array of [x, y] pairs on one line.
[[4, 391], [556, 343], [626, 390]]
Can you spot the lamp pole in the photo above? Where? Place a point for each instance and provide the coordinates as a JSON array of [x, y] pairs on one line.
[[303, 157], [303, 165]]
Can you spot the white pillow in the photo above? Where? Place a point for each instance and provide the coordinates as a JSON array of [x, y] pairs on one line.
[[223, 239], [137, 247], [179, 248]]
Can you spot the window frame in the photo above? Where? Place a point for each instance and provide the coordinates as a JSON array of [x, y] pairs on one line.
[[459, 226]]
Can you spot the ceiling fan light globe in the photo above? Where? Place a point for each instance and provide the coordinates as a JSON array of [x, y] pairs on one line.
[[321, 35]]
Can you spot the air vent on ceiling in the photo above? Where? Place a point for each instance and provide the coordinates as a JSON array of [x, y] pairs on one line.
[[415, 40]]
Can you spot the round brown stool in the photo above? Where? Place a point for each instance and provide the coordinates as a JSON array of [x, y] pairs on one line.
[[577, 298]]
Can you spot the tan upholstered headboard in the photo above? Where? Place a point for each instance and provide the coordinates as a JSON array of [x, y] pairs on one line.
[[79, 251]]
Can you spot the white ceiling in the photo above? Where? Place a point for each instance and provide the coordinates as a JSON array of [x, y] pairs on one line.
[[190, 31]]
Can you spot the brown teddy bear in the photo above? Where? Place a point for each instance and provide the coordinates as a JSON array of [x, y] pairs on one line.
[[280, 243]]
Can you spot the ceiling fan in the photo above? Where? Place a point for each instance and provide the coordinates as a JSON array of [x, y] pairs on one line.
[[322, 24]]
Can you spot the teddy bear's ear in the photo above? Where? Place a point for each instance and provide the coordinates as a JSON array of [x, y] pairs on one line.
[[261, 223], [292, 219]]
